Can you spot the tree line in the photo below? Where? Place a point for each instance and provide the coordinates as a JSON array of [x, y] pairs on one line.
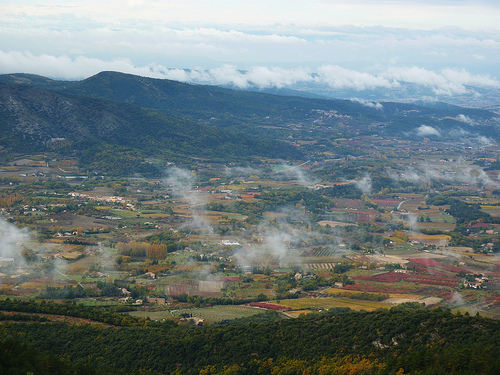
[[406, 339]]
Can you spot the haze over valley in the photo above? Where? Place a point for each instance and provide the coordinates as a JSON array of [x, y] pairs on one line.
[[249, 188]]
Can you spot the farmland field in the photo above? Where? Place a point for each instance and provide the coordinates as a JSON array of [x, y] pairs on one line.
[[332, 302], [254, 290], [492, 210], [210, 314], [446, 226], [391, 295], [474, 311]]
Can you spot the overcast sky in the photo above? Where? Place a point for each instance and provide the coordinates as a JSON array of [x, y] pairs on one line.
[[357, 44]]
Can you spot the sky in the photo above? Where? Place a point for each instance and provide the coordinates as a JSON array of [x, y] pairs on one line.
[[442, 45]]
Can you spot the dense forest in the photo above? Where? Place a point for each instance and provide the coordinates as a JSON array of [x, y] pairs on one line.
[[117, 138], [406, 339]]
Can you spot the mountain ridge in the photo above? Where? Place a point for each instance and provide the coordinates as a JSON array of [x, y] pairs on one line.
[[157, 117], [37, 120]]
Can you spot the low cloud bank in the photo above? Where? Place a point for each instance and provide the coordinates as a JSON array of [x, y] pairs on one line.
[[444, 82], [369, 104]]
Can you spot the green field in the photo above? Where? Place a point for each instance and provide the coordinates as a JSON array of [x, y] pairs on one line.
[[254, 290], [100, 303], [210, 314]]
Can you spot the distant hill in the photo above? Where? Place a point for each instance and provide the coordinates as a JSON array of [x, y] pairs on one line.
[[33, 80], [179, 120], [37, 120], [243, 110], [221, 106]]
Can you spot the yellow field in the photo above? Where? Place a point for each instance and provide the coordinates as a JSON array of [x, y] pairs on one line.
[[391, 295], [473, 311], [32, 285], [74, 255], [486, 207], [56, 240], [11, 168], [420, 236], [235, 187], [297, 313], [272, 214], [37, 163], [332, 302]]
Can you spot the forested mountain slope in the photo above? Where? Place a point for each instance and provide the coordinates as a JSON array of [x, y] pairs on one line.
[[113, 121], [246, 110], [37, 120], [402, 340]]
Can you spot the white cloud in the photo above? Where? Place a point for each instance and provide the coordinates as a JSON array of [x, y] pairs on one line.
[[12, 240], [365, 184], [444, 82], [227, 75], [447, 82], [466, 119], [188, 34], [485, 141], [456, 172], [278, 77], [420, 13], [426, 130], [65, 67], [367, 103], [182, 184], [341, 78]]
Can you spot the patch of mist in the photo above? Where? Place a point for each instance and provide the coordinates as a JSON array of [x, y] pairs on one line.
[[412, 222], [13, 241], [182, 183], [469, 138], [295, 172], [442, 245], [281, 242], [466, 119], [448, 253], [365, 185], [205, 272], [455, 173], [485, 141], [457, 300]]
